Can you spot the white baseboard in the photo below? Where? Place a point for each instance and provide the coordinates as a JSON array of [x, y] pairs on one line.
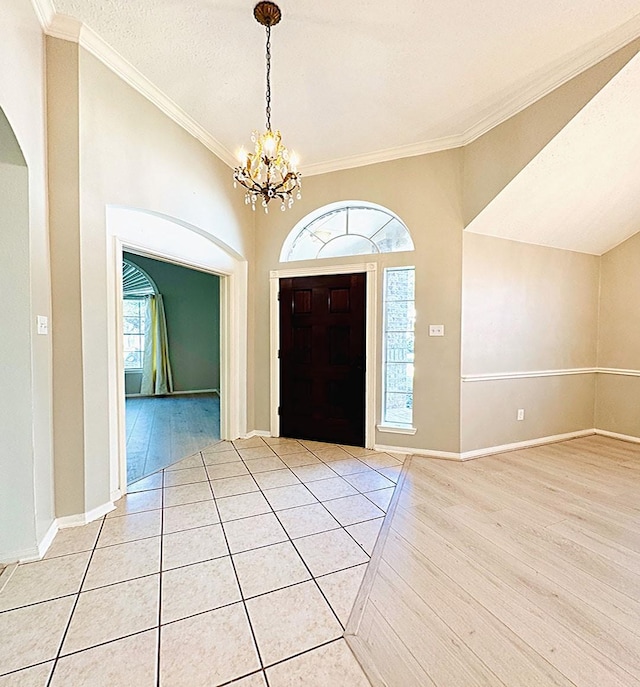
[[34, 553], [256, 433], [85, 518], [48, 538], [503, 448], [37, 552], [616, 435], [20, 556]]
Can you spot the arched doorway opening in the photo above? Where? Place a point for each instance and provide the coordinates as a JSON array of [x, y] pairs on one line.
[[170, 239], [18, 536]]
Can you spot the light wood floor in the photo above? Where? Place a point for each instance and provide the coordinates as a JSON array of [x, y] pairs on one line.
[[164, 429], [521, 569]]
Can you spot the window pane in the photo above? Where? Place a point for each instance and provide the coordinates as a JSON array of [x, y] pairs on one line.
[[131, 307], [347, 245], [133, 360], [399, 347], [398, 409], [328, 227], [399, 377], [393, 237], [132, 325], [400, 285], [366, 221], [133, 342], [400, 316], [305, 247]]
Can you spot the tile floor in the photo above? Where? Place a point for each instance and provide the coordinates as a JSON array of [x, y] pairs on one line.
[[238, 565]]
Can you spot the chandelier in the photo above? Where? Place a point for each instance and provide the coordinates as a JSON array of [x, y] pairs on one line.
[[270, 172]]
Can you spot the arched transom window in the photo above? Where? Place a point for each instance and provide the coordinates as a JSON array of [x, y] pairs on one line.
[[351, 228]]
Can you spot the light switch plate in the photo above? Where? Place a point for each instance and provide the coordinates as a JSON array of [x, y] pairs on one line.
[[436, 330], [43, 324]]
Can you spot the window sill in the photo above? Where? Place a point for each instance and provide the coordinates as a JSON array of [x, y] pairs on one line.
[[391, 429]]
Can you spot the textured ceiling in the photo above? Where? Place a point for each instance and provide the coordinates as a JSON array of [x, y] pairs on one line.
[[354, 78], [581, 191]]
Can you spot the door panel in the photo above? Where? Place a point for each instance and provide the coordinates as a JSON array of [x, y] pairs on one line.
[[322, 354]]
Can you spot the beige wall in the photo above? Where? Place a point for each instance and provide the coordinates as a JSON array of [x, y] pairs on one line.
[[426, 193], [618, 396], [64, 223], [26, 493], [526, 309], [553, 406], [619, 341], [129, 154]]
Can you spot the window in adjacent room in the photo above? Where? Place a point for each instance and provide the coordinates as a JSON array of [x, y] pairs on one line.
[[137, 287], [398, 347]]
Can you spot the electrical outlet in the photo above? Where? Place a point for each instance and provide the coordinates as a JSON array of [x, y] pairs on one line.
[[520, 414], [436, 330], [43, 324]]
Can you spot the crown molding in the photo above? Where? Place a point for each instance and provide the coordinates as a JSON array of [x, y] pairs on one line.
[[65, 27], [511, 104], [554, 76], [559, 73], [386, 155], [45, 11], [70, 29]]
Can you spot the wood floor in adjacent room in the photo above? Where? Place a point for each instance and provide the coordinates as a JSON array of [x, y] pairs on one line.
[[520, 569], [162, 430]]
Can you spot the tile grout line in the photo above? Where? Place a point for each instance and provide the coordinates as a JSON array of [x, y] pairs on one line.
[[158, 641], [75, 605], [235, 572]]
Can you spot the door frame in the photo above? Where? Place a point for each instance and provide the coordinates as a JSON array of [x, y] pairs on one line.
[[371, 330]]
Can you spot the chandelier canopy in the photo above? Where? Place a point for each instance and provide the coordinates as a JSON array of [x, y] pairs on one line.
[[270, 172]]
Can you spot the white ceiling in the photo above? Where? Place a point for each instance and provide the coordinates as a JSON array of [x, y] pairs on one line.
[[582, 191], [357, 81]]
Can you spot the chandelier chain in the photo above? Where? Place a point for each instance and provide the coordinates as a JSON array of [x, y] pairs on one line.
[[268, 112], [270, 172]]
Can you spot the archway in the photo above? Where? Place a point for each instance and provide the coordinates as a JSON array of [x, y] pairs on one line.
[[18, 537], [168, 238]]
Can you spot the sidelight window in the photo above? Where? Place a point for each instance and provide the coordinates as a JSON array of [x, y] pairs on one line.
[[398, 346]]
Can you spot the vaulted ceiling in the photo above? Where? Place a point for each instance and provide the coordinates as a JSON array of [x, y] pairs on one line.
[[358, 81], [582, 191]]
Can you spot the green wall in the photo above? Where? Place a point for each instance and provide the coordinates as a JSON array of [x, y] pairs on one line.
[[192, 306]]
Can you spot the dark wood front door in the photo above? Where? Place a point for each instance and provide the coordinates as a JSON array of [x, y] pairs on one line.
[[322, 358]]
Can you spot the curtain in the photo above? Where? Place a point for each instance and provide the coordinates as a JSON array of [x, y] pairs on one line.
[[156, 370]]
